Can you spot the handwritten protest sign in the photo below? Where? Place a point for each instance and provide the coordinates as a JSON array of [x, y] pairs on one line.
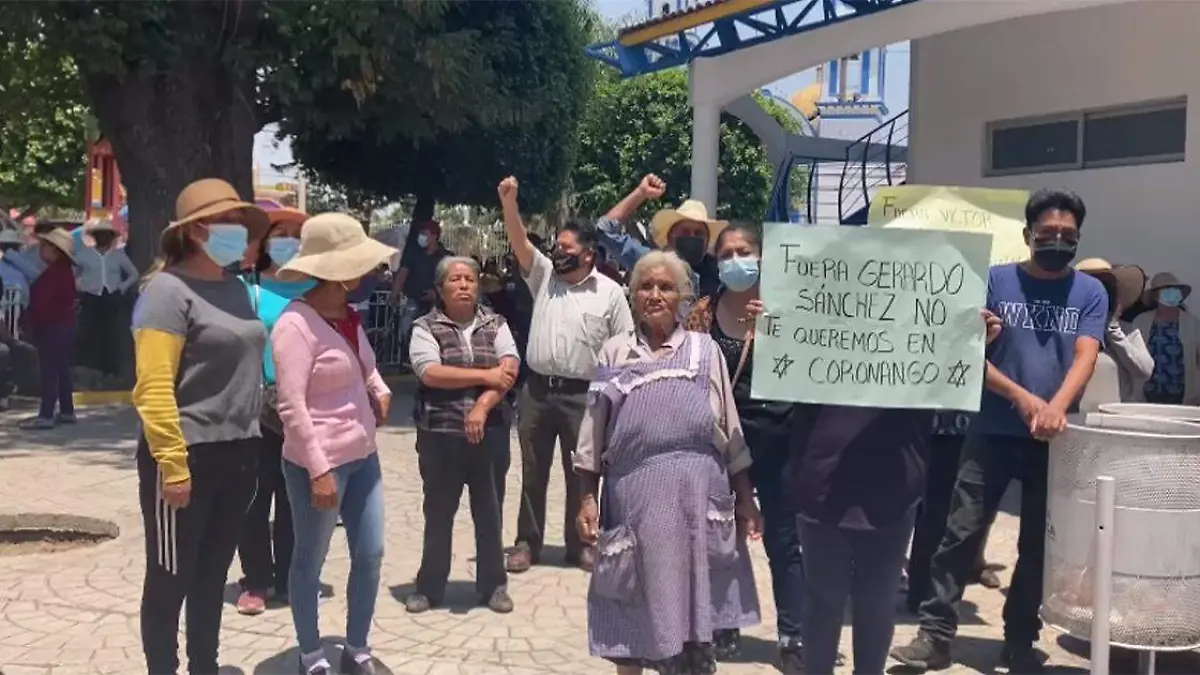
[[924, 207], [871, 317]]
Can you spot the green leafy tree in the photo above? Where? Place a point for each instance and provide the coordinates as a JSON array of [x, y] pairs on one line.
[[644, 125], [44, 126], [522, 83], [180, 88]]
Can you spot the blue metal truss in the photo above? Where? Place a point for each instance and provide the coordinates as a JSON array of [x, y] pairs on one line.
[[756, 26]]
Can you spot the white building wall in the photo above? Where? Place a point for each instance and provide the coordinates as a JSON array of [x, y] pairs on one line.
[[1063, 62]]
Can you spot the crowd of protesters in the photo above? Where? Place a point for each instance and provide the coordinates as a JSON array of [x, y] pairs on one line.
[[258, 393]]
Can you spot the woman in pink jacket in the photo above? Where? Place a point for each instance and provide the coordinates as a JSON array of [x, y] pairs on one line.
[[331, 398]]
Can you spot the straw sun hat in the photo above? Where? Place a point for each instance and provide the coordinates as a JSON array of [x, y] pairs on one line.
[[664, 220], [1127, 280], [210, 197], [61, 240], [335, 247], [1166, 280]]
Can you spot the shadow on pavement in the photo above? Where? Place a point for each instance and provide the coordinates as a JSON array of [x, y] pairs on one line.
[[289, 661], [982, 655], [756, 650], [234, 589], [460, 597], [103, 435], [1125, 661]]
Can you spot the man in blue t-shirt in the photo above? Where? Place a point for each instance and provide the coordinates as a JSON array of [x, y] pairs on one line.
[[1054, 320]]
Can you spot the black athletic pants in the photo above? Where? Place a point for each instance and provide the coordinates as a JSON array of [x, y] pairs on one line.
[[188, 551], [265, 548]]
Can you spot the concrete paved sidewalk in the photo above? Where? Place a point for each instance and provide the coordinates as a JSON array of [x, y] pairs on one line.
[[76, 612]]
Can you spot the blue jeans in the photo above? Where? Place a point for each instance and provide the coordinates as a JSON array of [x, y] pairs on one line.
[[780, 536], [360, 503]]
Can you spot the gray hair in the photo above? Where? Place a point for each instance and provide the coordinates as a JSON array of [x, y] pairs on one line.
[[443, 269], [680, 273]]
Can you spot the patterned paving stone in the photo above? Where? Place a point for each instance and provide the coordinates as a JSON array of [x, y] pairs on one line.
[[76, 612]]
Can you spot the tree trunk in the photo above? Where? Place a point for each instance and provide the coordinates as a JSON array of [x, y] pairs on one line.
[[196, 119], [423, 209]]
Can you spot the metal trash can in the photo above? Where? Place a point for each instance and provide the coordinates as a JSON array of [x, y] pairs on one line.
[[1183, 413], [1155, 592]]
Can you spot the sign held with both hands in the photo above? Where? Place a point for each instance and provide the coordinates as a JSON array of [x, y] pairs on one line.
[[875, 317]]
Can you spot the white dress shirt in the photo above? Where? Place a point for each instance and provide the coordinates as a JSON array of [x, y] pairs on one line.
[[109, 271], [572, 322]]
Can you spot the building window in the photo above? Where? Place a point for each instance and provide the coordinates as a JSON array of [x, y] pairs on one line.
[[1146, 133], [1035, 147]]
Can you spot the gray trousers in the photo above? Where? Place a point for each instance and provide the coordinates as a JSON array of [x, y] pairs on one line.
[[859, 566], [448, 463]]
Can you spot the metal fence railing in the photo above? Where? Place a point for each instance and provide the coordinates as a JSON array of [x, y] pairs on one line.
[[381, 322], [10, 310]]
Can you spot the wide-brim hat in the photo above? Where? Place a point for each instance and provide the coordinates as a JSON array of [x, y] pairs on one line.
[[1127, 280], [285, 214], [1166, 280], [210, 197], [9, 236], [61, 240], [692, 209], [335, 247]]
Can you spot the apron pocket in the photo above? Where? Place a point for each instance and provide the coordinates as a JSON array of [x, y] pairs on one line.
[[615, 575], [722, 531]]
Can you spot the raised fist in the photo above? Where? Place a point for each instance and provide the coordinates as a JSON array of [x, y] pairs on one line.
[[508, 190], [652, 187]]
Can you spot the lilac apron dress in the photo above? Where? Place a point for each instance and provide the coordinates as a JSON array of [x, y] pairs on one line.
[[670, 568]]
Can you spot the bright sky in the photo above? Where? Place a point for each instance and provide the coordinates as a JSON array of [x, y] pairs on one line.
[[267, 152]]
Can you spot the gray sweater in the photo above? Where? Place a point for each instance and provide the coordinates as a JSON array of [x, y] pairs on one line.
[[1122, 368]]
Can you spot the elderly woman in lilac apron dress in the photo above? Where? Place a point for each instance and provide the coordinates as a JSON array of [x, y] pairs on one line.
[[672, 571]]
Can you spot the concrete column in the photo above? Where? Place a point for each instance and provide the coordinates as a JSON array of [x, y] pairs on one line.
[[706, 152]]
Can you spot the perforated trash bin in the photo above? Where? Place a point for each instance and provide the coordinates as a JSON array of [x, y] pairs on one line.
[[1156, 567], [1183, 413]]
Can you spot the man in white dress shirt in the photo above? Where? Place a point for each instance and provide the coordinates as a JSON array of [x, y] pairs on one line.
[[104, 274], [576, 309]]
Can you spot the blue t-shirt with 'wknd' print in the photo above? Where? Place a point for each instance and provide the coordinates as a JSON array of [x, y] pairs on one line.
[[1042, 319]]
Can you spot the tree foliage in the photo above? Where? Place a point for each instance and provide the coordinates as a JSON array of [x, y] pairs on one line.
[[44, 125], [518, 83], [644, 125], [385, 97]]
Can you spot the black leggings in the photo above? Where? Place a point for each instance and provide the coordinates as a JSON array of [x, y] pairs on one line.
[[188, 551]]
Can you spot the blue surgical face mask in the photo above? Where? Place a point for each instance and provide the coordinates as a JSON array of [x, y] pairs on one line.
[[226, 243], [288, 289], [1170, 297], [739, 273], [282, 249], [422, 240]]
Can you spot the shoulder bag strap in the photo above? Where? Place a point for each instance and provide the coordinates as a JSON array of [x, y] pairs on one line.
[[741, 366]]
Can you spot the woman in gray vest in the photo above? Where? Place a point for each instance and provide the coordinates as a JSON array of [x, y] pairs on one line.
[[466, 360]]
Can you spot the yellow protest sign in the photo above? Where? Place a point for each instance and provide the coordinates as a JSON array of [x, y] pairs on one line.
[[1000, 213]]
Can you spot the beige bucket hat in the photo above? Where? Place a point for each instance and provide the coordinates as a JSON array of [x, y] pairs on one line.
[[209, 197], [335, 247], [1127, 280], [692, 209], [61, 240]]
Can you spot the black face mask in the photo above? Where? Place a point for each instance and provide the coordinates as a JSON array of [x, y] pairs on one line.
[[1054, 256], [564, 263], [691, 249], [103, 239]]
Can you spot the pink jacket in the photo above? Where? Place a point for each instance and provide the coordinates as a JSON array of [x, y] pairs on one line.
[[323, 401]]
